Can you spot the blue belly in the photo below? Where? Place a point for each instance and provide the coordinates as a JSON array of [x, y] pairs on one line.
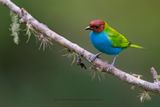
[[103, 44]]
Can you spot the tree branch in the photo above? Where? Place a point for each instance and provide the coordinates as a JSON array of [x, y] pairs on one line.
[[100, 64]]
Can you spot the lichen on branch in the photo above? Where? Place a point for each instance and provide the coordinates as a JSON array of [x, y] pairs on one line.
[[15, 27]]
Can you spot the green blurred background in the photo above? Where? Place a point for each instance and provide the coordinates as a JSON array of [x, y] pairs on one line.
[[30, 77]]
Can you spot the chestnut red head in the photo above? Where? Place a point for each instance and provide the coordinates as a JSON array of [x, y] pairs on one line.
[[96, 25]]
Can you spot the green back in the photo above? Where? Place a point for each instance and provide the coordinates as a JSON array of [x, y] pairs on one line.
[[118, 40]]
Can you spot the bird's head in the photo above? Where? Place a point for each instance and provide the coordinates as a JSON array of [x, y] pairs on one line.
[[97, 25]]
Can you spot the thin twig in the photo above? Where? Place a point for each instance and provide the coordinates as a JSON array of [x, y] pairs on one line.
[[154, 74]]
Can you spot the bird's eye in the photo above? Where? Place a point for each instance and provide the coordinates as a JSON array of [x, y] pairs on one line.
[[97, 26]]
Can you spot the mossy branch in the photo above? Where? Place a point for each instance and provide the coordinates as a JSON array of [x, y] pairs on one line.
[[45, 34]]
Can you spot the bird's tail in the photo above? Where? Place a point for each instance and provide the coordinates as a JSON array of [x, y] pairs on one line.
[[135, 46]]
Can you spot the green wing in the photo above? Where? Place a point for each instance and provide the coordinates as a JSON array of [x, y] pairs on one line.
[[117, 39]]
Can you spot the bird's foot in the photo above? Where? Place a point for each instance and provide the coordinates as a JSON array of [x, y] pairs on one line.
[[93, 58], [110, 67]]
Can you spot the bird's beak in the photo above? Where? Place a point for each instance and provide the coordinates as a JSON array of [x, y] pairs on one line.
[[88, 28]]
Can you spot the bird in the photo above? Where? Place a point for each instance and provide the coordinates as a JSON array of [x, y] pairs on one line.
[[107, 40]]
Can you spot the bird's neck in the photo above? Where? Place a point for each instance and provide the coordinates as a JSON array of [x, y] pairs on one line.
[[107, 29]]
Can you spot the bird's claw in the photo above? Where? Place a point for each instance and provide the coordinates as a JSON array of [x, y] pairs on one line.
[[94, 57], [110, 67]]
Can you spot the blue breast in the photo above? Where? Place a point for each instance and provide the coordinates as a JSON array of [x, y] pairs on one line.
[[103, 44]]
